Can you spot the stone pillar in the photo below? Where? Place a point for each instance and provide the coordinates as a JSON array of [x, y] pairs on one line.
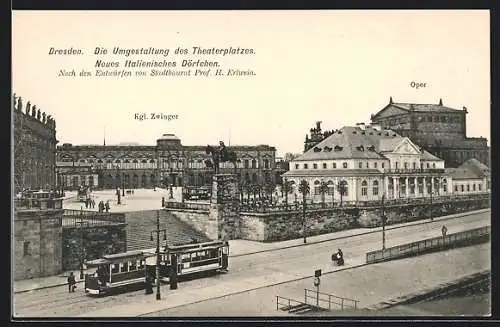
[[224, 207], [407, 187]]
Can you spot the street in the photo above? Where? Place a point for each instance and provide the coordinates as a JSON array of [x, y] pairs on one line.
[[246, 272]]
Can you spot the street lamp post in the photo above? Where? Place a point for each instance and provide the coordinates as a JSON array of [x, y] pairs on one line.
[[82, 244], [384, 220], [158, 256]]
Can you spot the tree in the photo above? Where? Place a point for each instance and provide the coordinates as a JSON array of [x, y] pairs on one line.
[[304, 189], [269, 187], [342, 189], [287, 188], [323, 189]]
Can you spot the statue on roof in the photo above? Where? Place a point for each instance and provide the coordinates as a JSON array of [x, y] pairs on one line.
[[44, 117], [14, 101], [20, 103], [38, 115], [33, 111], [28, 106]]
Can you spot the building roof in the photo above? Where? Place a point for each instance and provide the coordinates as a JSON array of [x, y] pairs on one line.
[[424, 107], [477, 167], [168, 137], [462, 173], [330, 172], [418, 107], [427, 156], [354, 143]]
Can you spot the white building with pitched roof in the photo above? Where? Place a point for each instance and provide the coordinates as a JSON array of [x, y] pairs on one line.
[[372, 162]]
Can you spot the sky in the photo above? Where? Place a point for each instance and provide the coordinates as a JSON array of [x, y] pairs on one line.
[[338, 67]]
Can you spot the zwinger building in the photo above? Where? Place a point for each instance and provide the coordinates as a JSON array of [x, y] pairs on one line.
[[371, 161], [169, 162]]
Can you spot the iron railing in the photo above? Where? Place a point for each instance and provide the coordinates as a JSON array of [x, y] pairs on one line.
[[93, 216], [287, 304], [187, 205], [263, 208], [333, 301], [425, 245]]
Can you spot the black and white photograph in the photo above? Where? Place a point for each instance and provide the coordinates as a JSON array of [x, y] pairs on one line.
[[220, 164]]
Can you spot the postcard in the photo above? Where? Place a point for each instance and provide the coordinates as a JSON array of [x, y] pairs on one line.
[[289, 164]]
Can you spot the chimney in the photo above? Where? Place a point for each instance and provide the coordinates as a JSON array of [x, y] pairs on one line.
[[440, 101], [390, 100], [318, 125]]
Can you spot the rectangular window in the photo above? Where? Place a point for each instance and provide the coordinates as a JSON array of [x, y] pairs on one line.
[[383, 165], [133, 266], [374, 165], [344, 164], [334, 165], [296, 166], [246, 163], [367, 164], [317, 190], [324, 165], [463, 188], [360, 165], [468, 188], [414, 165], [305, 166], [364, 191], [114, 268], [26, 249], [456, 188], [124, 267], [315, 166], [375, 191], [479, 187]]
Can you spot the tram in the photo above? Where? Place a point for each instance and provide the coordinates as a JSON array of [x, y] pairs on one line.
[[132, 268]]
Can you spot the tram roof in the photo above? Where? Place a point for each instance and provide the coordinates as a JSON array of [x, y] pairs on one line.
[[128, 254]]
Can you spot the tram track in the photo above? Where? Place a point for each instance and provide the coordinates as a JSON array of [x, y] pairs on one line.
[[376, 230], [59, 302]]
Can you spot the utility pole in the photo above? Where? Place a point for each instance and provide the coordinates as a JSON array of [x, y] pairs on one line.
[[82, 244], [432, 191], [158, 255]]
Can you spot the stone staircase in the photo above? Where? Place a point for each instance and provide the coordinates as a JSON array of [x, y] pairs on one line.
[[141, 223]]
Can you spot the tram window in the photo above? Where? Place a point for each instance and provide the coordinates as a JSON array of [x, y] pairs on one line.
[[140, 264], [185, 257], [133, 265], [124, 267], [114, 268]]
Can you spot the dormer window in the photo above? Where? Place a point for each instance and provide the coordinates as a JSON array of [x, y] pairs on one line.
[[327, 149], [337, 148], [360, 148], [371, 148], [316, 149], [354, 132]]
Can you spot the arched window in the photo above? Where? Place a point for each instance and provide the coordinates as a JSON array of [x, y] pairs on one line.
[[254, 163], [117, 161], [474, 187], [434, 165], [144, 161], [364, 188], [126, 161], [375, 187]]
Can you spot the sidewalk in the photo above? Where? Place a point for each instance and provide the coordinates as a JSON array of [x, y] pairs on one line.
[[27, 285], [243, 247]]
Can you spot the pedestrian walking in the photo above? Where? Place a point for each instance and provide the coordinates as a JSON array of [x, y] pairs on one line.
[[444, 230], [71, 282], [107, 206], [92, 202]]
